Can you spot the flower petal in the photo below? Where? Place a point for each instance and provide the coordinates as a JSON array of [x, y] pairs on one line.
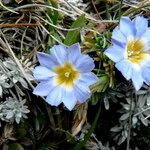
[[137, 79], [59, 53], [146, 37], [43, 88], [74, 52], [69, 99], [146, 73], [84, 63], [118, 38], [141, 25], [125, 67], [82, 92], [46, 60], [115, 53], [42, 73], [54, 98], [88, 79], [60, 94], [127, 27]]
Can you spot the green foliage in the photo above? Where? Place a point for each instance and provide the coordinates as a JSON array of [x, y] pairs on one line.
[[15, 146], [74, 36], [54, 15], [28, 27], [102, 41]]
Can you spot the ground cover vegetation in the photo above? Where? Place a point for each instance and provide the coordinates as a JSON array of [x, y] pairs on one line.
[[74, 74]]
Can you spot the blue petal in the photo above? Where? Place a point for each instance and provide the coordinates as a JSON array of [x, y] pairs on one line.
[[125, 67], [146, 74], [141, 25], [137, 79], [74, 52], [41, 73], [46, 60], [59, 53], [127, 27], [82, 92], [88, 79], [59, 94], [84, 63], [54, 98], [69, 99], [118, 38], [146, 36], [43, 88], [115, 53]]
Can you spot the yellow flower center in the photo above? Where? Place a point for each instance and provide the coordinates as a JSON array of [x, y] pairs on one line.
[[66, 75], [135, 50]]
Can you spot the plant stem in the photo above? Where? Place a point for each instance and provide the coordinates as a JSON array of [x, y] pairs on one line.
[[87, 136]]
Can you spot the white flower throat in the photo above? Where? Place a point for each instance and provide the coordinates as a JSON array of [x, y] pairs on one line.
[[66, 75]]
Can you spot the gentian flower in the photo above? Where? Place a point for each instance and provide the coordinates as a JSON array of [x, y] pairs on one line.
[[131, 50], [64, 75]]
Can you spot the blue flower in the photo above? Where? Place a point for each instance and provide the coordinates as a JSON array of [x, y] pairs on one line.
[[131, 50], [64, 75]]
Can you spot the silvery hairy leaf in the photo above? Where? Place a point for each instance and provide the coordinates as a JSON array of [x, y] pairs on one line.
[[13, 110], [106, 103], [124, 116]]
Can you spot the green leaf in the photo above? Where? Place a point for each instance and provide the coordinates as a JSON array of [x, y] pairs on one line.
[[15, 146], [74, 36], [55, 12]]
